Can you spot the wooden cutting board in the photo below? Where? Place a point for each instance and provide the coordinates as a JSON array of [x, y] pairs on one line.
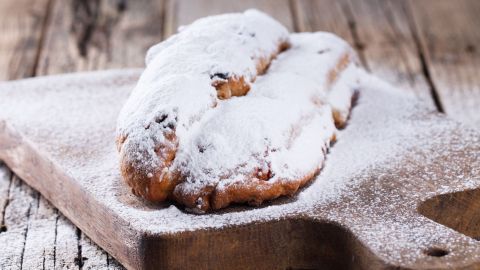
[[397, 173]]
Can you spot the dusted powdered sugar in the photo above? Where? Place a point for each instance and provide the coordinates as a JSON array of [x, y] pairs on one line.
[[229, 140], [313, 56], [177, 83], [284, 125], [218, 44]]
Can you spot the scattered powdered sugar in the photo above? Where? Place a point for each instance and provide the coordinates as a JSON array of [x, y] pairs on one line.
[[392, 155]]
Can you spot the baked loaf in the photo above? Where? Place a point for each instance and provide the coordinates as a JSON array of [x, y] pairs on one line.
[[186, 76], [234, 109]]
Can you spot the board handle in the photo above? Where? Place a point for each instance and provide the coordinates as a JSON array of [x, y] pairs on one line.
[[402, 241]]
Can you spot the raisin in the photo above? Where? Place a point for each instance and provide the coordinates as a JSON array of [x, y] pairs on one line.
[[161, 118], [323, 51], [223, 76]]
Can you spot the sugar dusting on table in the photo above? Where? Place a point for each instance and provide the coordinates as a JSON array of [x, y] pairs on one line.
[[385, 127], [390, 138]]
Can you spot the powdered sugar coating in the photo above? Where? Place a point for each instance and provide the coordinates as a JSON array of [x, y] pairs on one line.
[[238, 142], [167, 126], [218, 44], [315, 54], [283, 126], [177, 83]]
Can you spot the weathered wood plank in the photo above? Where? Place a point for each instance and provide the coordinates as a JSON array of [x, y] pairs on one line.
[[90, 35], [448, 36], [182, 12], [67, 245], [36, 242], [312, 16], [93, 257], [8, 260], [11, 255], [86, 35], [5, 180], [32, 233], [22, 24], [113, 264], [30, 224], [17, 214], [389, 45], [21, 200], [379, 32], [21, 27], [140, 27], [40, 240]]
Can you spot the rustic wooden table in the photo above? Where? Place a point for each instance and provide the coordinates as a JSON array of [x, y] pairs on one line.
[[428, 47]]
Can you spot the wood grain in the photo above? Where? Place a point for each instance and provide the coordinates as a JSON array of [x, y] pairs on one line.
[[379, 31], [461, 205], [22, 24], [21, 27], [86, 35], [182, 12], [308, 19], [449, 37], [40, 248], [72, 36], [16, 220], [91, 35], [388, 44], [68, 255], [5, 181], [92, 255]]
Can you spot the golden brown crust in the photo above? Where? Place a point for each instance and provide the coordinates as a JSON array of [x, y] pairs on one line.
[[342, 64], [154, 186], [252, 190], [231, 87], [234, 86], [333, 75], [255, 191]]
